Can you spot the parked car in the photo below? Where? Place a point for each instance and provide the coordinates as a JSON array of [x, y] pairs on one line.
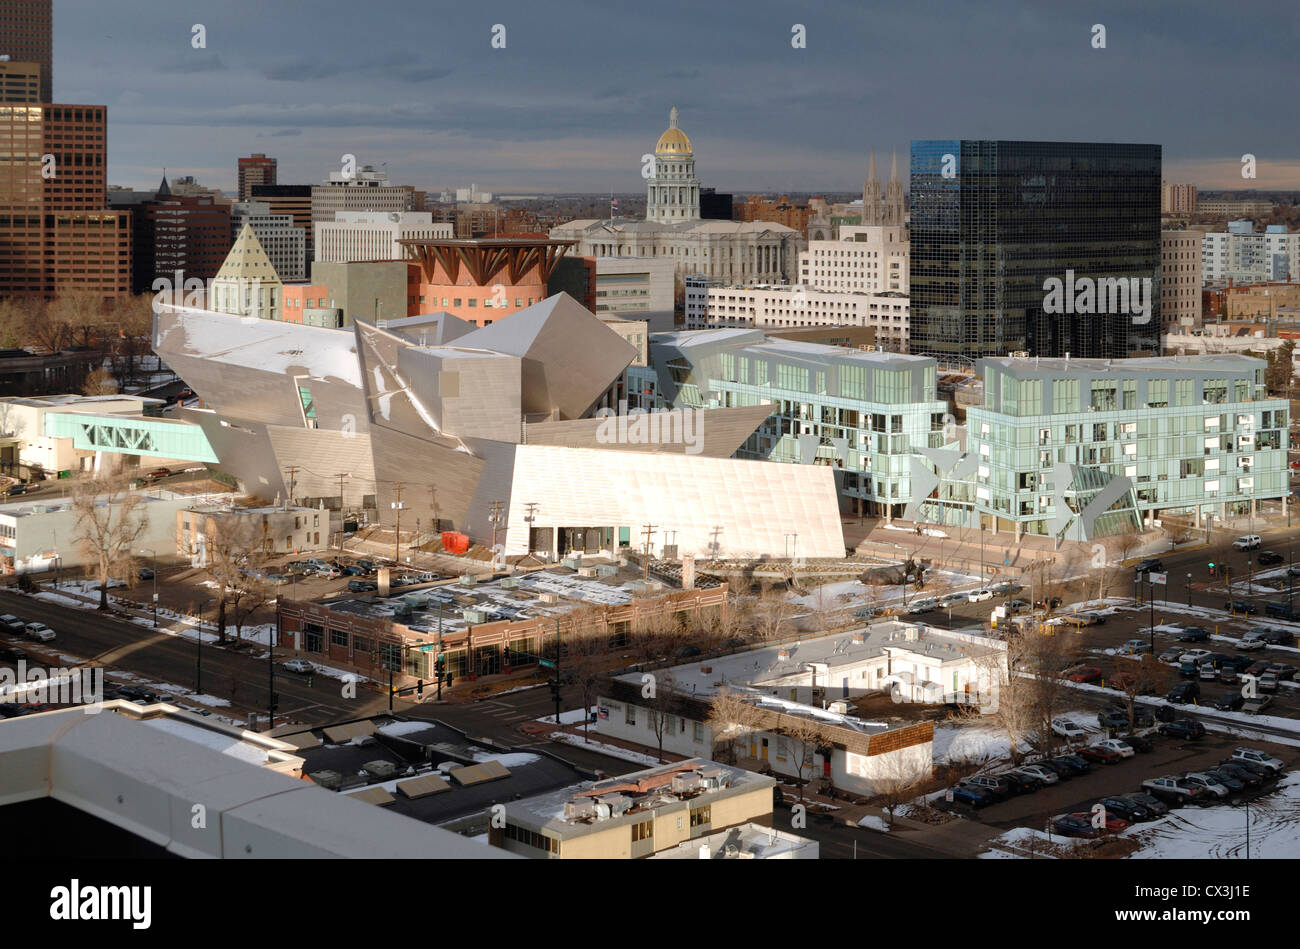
[[1188, 728], [1247, 756], [12, 654], [1065, 728], [1257, 704], [971, 796], [1258, 668], [1084, 674], [1248, 542], [1113, 823], [367, 565], [362, 586], [1247, 776], [1149, 565], [1125, 809], [1240, 606], [1171, 655], [1139, 743], [158, 474], [1062, 771], [1229, 702], [867, 612], [1194, 634], [1046, 775], [277, 579], [1112, 718], [299, 666], [924, 605], [1069, 825], [1047, 603], [1200, 779], [39, 632], [1155, 806], [1135, 647], [15, 489], [1174, 790], [1283, 610], [1101, 754], [1023, 783], [1194, 655], [1117, 745], [1279, 637], [1266, 682], [1017, 606], [1084, 619], [1000, 786], [11, 624], [978, 596], [352, 570], [1226, 778], [1267, 558], [1252, 640], [1075, 763], [1208, 672]]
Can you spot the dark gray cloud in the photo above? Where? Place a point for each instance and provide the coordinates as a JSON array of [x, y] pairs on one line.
[[583, 87]]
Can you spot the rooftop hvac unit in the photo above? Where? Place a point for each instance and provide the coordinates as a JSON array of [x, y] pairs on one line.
[[686, 781], [573, 563], [617, 804], [468, 580], [474, 616], [586, 571], [416, 602], [550, 598], [839, 707], [330, 780], [606, 570], [510, 583], [382, 770], [580, 810], [603, 811]]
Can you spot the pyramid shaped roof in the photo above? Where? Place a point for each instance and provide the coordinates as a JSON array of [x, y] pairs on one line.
[[247, 260]]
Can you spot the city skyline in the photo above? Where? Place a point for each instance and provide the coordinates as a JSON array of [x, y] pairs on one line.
[[553, 112]]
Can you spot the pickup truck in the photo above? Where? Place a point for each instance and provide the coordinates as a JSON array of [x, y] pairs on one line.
[[1174, 790]]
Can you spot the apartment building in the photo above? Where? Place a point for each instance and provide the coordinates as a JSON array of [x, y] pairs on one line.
[[1241, 255], [1180, 278], [789, 307]]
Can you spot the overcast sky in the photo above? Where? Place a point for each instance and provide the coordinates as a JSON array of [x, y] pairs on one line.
[[583, 88]]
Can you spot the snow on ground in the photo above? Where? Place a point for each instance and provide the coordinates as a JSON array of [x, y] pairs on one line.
[[1219, 832], [958, 743], [612, 751], [515, 759], [927, 531], [573, 716], [874, 822], [1024, 841]]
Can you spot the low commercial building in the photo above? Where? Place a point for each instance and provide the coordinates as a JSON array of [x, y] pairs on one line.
[[637, 815], [886, 312], [744, 842], [268, 530], [636, 288], [374, 235]]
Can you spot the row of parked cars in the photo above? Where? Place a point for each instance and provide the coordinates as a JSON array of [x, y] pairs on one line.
[[1246, 769], [38, 632]]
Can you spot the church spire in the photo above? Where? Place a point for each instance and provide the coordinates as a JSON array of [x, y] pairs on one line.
[[893, 169], [672, 118]]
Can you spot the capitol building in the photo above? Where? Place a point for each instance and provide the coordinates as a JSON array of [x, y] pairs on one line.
[[731, 252]]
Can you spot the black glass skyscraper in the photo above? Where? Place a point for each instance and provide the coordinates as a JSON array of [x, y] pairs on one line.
[[993, 223]]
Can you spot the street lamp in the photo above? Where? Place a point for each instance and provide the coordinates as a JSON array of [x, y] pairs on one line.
[[154, 576], [198, 655], [1189, 589]]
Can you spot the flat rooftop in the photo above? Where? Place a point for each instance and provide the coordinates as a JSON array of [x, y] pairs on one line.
[[772, 663], [424, 757]]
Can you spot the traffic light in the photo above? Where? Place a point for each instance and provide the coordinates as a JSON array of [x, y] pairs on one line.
[[419, 689], [1212, 568]]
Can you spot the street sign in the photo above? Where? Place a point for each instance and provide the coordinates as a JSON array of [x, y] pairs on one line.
[[1158, 577], [546, 663]]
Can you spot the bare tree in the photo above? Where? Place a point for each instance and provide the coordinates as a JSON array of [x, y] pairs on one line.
[[662, 706], [1148, 675], [654, 632], [1045, 656], [587, 657], [99, 382], [773, 615], [82, 312], [109, 520], [248, 596], [896, 782], [229, 541], [731, 720], [804, 735], [1009, 693]]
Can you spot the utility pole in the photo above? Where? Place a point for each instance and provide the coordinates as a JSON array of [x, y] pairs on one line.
[[341, 475], [648, 531], [530, 517], [557, 672], [293, 476], [397, 532], [495, 517]]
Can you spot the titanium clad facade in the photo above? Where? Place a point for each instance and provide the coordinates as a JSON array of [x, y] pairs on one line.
[[991, 221]]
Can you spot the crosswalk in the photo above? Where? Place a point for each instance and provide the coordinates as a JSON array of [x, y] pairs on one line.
[[502, 711]]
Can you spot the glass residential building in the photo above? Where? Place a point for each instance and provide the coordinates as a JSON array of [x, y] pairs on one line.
[[863, 413], [1085, 448], [991, 221]]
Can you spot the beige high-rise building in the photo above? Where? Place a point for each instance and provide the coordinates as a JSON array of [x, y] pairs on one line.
[[1180, 278], [1177, 199], [865, 259]]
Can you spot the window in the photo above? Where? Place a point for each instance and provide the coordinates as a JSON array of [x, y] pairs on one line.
[[643, 831], [339, 637], [630, 716], [698, 732], [701, 816]]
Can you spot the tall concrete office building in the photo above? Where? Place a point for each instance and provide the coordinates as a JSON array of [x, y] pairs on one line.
[[255, 169], [1041, 247], [27, 36]]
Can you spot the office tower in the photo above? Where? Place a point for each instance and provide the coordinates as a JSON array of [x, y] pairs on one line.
[[27, 36], [1045, 247], [256, 169], [293, 200]]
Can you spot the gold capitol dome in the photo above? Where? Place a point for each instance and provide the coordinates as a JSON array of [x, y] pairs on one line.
[[673, 143]]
